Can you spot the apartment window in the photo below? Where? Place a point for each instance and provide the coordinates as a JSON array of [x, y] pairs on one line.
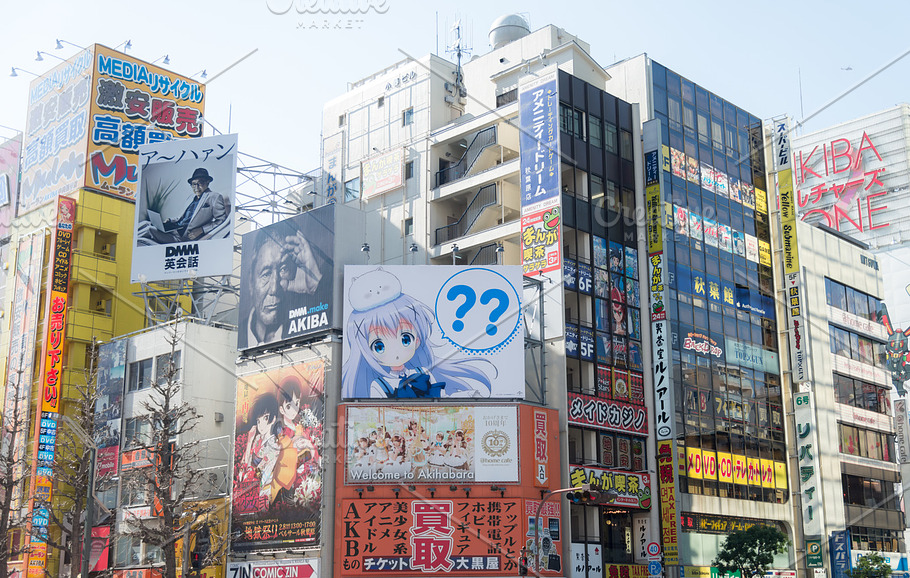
[[626, 143], [407, 117], [572, 121], [866, 443], [137, 432], [340, 120], [380, 101], [164, 369], [610, 137], [408, 227], [352, 190], [409, 170], [595, 129], [140, 374]]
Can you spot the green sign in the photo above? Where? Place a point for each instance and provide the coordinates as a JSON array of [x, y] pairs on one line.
[[814, 553]]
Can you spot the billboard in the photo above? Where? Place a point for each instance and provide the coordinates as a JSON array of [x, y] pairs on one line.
[[419, 536], [383, 173], [622, 488], [185, 211], [432, 331], [297, 568], [277, 482], [286, 279], [133, 104], [607, 414], [22, 338], [9, 182], [108, 407], [88, 117], [538, 115], [428, 444], [56, 132]]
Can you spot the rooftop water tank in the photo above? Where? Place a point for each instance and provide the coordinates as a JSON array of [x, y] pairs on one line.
[[508, 28]]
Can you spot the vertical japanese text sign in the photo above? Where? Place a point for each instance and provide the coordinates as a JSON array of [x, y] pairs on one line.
[[538, 106], [808, 463], [793, 297], [51, 382]]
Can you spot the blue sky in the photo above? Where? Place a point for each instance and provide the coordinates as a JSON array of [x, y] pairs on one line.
[[274, 97]]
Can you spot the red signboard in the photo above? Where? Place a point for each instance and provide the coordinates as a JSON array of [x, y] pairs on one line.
[[414, 536], [606, 414]]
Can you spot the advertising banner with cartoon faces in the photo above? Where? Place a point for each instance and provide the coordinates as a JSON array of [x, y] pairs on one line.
[[432, 332]]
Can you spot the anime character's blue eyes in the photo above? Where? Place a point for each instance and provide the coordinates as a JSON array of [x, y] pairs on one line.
[[407, 339], [377, 346]]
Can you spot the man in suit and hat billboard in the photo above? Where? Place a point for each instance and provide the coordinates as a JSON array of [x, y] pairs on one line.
[[205, 213]]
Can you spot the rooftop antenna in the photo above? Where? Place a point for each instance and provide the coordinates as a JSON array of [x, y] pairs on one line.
[[460, 47]]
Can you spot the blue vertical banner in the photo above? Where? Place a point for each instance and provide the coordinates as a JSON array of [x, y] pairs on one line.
[[840, 553], [538, 116]]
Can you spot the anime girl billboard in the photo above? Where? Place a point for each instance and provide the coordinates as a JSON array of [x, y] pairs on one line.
[[277, 482], [432, 332]]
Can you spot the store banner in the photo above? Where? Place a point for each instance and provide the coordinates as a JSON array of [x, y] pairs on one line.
[[382, 173], [134, 103], [45, 428], [809, 474], [290, 568], [669, 523], [605, 414], [410, 537], [792, 285], [620, 487], [539, 168], [431, 444]]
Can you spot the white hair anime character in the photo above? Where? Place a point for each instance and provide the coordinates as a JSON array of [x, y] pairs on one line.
[[391, 354]]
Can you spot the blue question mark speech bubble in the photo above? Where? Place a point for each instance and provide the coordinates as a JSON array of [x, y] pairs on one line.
[[479, 326]]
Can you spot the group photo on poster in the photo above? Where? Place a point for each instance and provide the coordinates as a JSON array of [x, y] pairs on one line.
[[185, 209], [432, 332], [286, 273], [427, 444], [277, 482]]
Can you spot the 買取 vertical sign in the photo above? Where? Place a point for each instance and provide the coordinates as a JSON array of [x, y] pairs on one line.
[[538, 115], [793, 293]]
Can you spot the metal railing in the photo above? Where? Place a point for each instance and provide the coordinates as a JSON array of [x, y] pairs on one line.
[[481, 140], [486, 255], [485, 197]]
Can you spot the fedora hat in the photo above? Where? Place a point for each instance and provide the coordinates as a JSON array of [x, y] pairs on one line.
[[200, 174]]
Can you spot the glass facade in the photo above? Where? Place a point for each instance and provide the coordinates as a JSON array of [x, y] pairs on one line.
[[721, 295], [602, 281]]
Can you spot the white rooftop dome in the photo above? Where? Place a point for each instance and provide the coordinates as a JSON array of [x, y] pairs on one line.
[[508, 28]]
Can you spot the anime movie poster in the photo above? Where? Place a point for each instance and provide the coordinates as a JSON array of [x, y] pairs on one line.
[[428, 444], [432, 332], [185, 209], [277, 458], [111, 374]]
